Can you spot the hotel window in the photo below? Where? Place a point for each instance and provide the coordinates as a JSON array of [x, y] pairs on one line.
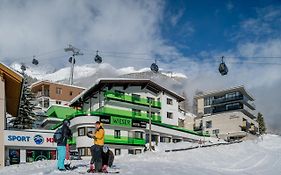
[[117, 134], [88, 151], [169, 115], [150, 99], [138, 135], [136, 97], [131, 151], [208, 124], [169, 101], [81, 131], [90, 129], [81, 151], [117, 152], [58, 91], [216, 131], [208, 101], [138, 151], [136, 112]]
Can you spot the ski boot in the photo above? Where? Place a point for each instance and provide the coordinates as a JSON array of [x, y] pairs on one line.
[[104, 169], [92, 169]]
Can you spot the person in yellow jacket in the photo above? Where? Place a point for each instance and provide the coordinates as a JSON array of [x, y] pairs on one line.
[[96, 149]]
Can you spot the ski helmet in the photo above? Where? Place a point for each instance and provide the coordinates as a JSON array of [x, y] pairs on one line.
[[66, 122], [105, 149]]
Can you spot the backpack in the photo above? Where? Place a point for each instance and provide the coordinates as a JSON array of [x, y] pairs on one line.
[[58, 135]]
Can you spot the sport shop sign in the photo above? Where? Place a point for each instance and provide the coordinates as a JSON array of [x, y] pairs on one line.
[[36, 138]]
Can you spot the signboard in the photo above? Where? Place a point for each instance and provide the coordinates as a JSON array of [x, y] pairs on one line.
[[119, 121], [138, 124], [29, 138], [105, 119]]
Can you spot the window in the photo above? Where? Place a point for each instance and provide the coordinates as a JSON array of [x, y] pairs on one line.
[[169, 101], [70, 93], [117, 152], [131, 151], [138, 135], [136, 112], [58, 91], [136, 97], [138, 151], [169, 115], [117, 134], [82, 151], [81, 131], [150, 99], [90, 129], [208, 124], [58, 102], [165, 139], [216, 131], [208, 110], [88, 153], [208, 101]]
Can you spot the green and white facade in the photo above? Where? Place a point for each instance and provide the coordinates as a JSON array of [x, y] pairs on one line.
[[122, 105]]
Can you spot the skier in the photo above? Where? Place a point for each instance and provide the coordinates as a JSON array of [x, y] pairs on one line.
[[96, 149], [65, 133], [107, 158]]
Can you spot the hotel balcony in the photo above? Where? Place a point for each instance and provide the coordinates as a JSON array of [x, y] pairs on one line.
[[131, 99], [127, 113]]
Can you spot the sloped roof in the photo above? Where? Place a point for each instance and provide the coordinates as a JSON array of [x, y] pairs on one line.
[[60, 112]]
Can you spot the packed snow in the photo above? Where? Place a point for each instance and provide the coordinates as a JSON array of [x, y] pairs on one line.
[[260, 156]]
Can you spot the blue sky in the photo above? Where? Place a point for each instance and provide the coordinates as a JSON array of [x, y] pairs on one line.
[[208, 26]]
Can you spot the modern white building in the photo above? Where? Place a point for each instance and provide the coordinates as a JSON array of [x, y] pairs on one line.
[[227, 114], [124, 107]]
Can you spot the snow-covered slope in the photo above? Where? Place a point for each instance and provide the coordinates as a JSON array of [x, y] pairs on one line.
[[258, 157]]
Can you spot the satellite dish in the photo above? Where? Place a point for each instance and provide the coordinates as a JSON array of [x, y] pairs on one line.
[[70, 60], [35, 61], [222, 67], [154, 68], [98, 59]]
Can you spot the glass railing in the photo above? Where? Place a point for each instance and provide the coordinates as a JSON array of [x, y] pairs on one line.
[[227, 99], [109, 139], [126, 113], [131, 99]]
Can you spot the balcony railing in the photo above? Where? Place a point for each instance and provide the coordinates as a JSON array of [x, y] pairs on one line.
[[226, 99], [131, 99], [43, 94], [109, 139], [126, 113]]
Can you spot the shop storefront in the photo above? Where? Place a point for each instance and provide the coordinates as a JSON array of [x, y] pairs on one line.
[[28, 146]]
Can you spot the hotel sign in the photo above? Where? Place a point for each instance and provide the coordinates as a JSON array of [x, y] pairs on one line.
[[119, 121]]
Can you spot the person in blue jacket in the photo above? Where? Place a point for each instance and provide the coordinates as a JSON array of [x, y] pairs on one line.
[[61, 144]]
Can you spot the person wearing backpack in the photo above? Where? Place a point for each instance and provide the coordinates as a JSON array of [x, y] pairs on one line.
[[96, 149], [60, 137]]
